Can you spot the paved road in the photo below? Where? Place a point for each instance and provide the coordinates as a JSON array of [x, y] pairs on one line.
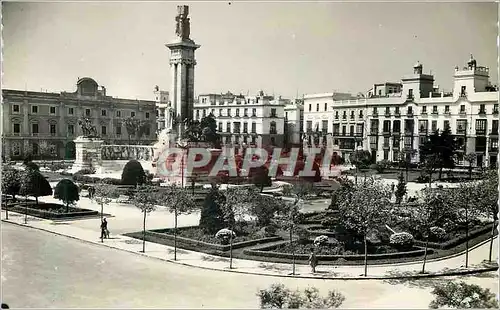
[[43, 270]]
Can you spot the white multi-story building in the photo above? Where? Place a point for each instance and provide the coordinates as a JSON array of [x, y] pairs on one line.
[[387, 123], [163, 106], [294, 122], [244, 120]]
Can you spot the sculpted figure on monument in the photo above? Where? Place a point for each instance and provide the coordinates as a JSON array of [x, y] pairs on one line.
[[89, 130], [182, 28]]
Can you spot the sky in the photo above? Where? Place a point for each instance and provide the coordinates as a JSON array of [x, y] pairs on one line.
[[282, 48]]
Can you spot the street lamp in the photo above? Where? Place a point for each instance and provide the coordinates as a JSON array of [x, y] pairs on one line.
[[183, 144], [357, 152]]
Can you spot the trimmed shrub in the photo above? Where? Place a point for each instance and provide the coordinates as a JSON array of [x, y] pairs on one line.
[[67, 192], [321, 241], [111, 181], [438, 233], [86, 171], [133, 173], [402, 240], [225, 235], [57, 166], [270, 230], [381, 166], [303, 235]]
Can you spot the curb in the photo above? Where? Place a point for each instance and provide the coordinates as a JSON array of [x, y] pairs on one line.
[[414, 276]]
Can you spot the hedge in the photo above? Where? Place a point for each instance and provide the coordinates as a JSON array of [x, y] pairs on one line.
[[459, 240], [264, 251], [191, 244], [37, 212]]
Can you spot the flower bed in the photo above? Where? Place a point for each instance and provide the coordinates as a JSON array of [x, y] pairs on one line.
[[49, 210], [461, 238], [209, 245], [283, 250]]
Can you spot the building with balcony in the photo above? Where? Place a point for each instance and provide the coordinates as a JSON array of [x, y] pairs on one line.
[[35, 121], [244, 120], [387, 124]]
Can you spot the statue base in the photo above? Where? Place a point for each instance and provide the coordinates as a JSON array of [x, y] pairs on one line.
[[88, 154]]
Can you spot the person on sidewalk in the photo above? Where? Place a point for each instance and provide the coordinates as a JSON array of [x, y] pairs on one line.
[[313, 260], [104, 229]]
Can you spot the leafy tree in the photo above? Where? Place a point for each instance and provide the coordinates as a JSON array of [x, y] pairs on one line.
[[487, 191], [142, 128], [429, 166], [361, 159], [11, 182], [34, 184], [462, 296], [264, 209], [132, 126], [277, 296], [400, 189], [443, 146], [103, 194], [260, 177], [204, 130], [238, 201], [405, 157], [346, 187], [288, 216], [429, 213], [365, 209], [212, 215], [67, 192], [471, 159], [10, 185], [179, 201], [133, 174], [146, 199], [465, 201]]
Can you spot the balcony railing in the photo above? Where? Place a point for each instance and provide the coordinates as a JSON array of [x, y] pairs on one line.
[[493, 149], [386, 131], [374, 114], [495, 112], [435, 113], [481, 132], [461, 131], [482, 112], [387, 114], [397, 114], [422, 130], [336, 117], [494, 132], [409, 114]]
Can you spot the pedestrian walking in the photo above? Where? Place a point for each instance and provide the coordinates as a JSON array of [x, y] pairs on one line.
[[104, 229], [313, 260], [392, 187]]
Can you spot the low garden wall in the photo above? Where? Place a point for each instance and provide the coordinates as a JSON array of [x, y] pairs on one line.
[[454, 242], [266, 251], [46, 214]]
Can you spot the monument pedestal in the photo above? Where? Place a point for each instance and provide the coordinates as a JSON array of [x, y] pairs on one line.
[[88, 154]]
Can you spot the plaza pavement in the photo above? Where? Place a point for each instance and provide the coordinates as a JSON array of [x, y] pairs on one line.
[[128, 218], [42, 270]]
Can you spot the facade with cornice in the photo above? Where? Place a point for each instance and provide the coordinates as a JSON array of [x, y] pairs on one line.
[[389, 123], [244, 120], [33, 121]]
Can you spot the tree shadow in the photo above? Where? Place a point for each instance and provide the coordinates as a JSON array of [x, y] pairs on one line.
[[271, 267], [409, 278], [214, 259], [179, 251]]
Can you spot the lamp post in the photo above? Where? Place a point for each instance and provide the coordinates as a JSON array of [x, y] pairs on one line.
[[182, 143], [357, 151]]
